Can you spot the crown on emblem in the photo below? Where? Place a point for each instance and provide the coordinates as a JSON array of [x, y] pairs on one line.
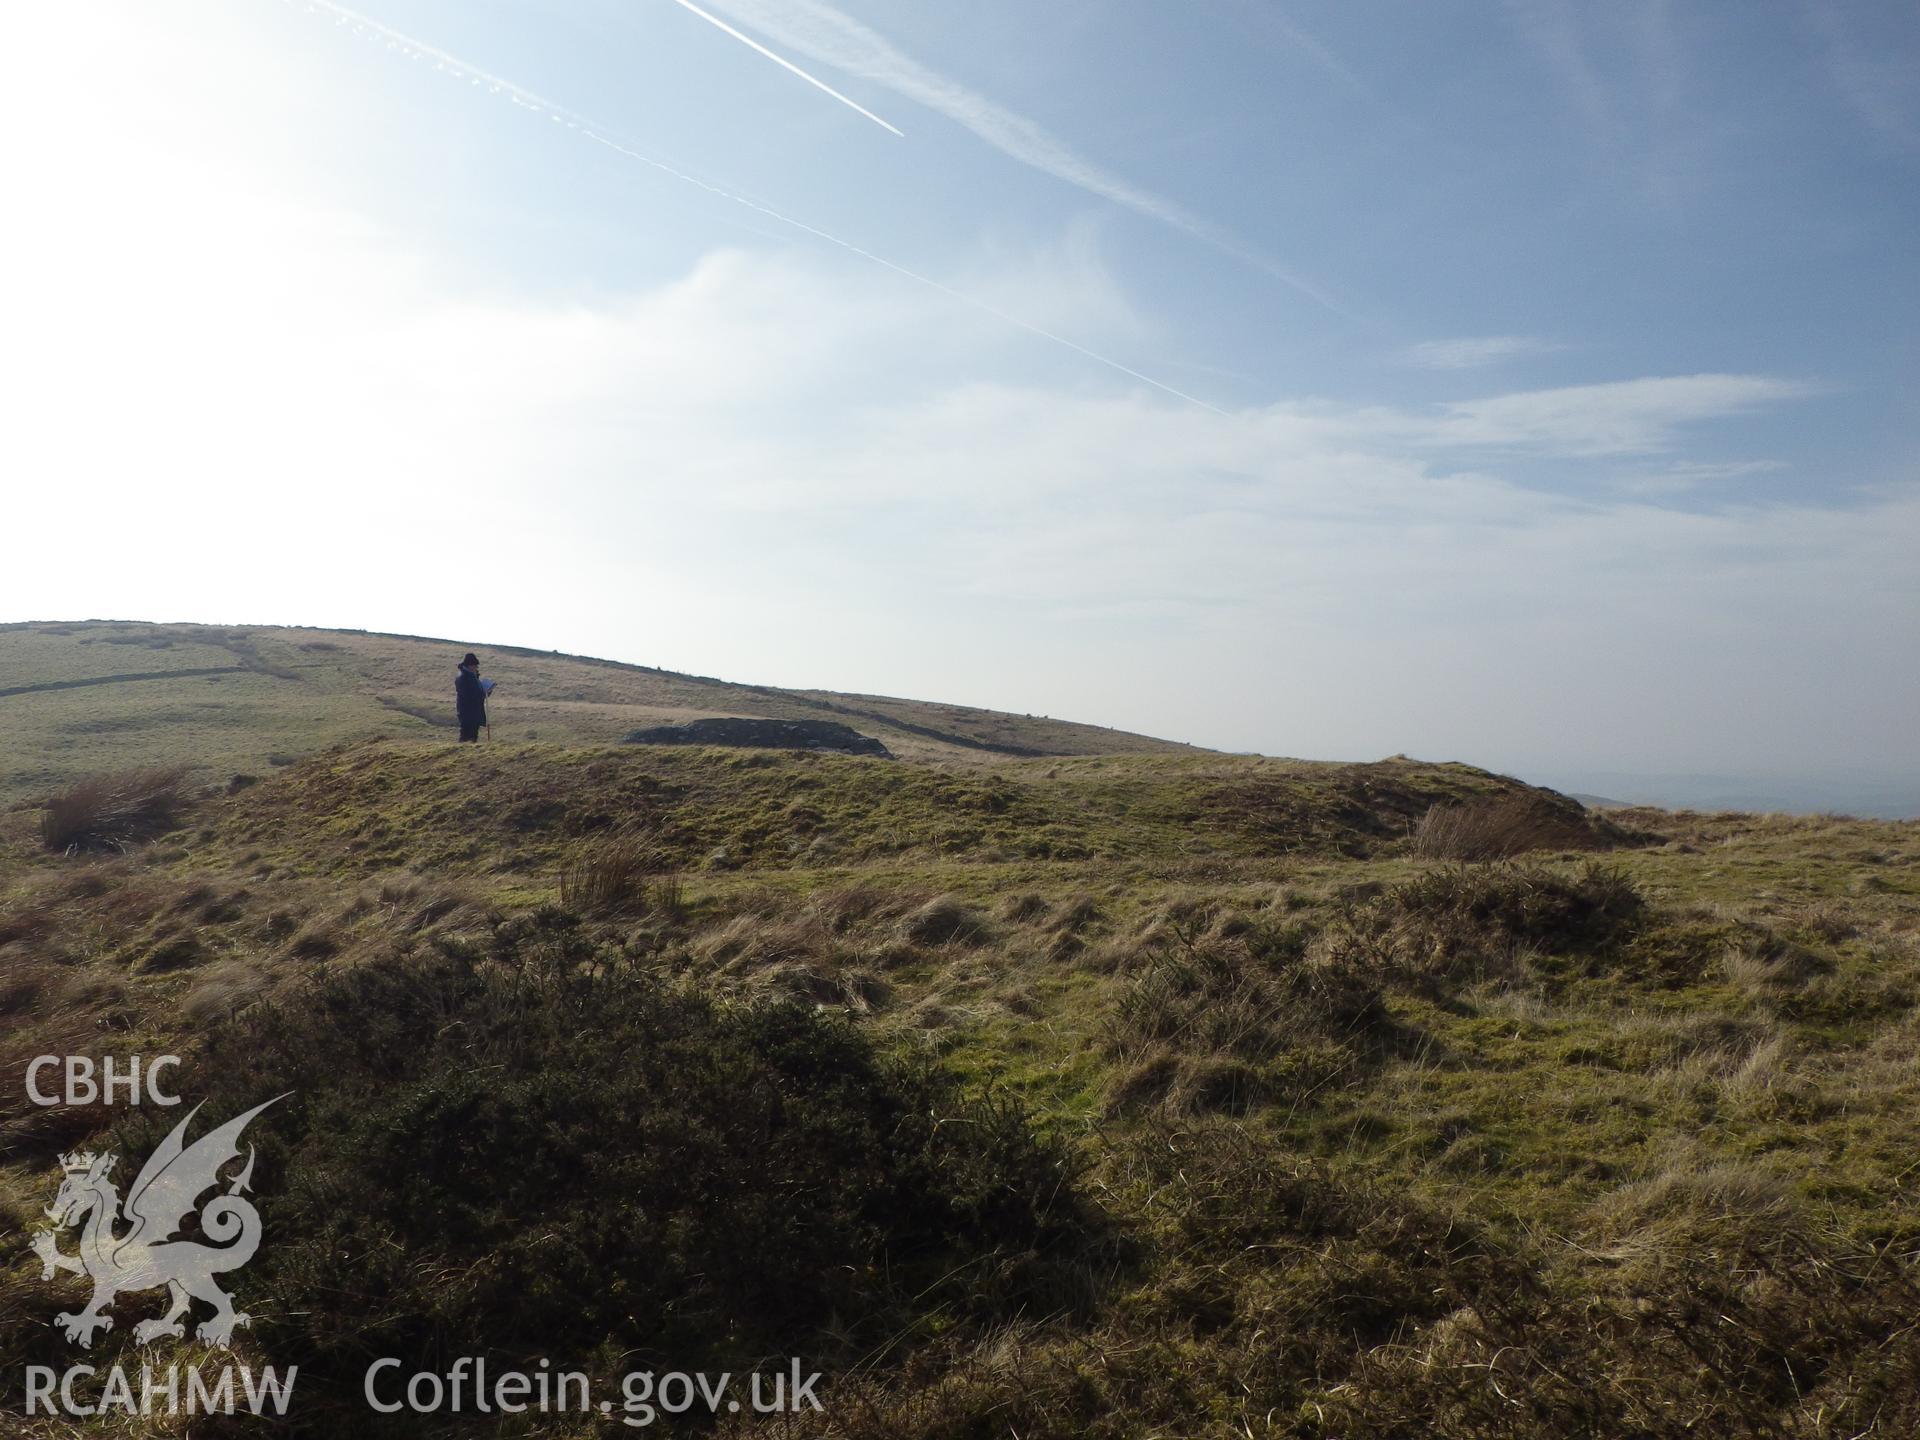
[[79, 1162]]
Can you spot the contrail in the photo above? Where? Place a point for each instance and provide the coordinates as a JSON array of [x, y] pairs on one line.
[[820, 31], [461, 68], [784, 64], [587, 130]]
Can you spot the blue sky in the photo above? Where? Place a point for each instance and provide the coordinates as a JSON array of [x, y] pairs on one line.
[[1527, 383]]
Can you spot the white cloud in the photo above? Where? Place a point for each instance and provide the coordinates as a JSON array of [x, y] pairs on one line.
[[679, 476], [1678, 477], [1616, 418], [1475, 352]]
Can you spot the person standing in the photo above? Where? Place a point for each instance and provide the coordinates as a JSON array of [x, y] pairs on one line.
[[470, 697]]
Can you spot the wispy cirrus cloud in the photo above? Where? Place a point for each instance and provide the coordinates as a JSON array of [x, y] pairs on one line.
[[1273, 19], [1623, 71], [1877, 77], [1672, 477], [826, 34], [1474, 352], [1620, 417], [1553, 28], [588, 130]]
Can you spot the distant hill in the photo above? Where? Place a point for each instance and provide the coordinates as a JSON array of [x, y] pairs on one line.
[[82, 697]]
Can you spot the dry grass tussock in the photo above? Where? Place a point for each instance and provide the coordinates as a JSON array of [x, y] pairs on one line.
[[1504, 829], [1023, 908], [841, 946], [625, 873], [794, 957], [1764, 973], [114, 812], [1693, 1208], [1460, 923], [1236, 1015], [945, 920], [99, 956], [1061, 926]]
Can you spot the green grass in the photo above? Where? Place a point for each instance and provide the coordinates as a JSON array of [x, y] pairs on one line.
[[1620, 1142], [41, 655], [514, 806], [290, 692]]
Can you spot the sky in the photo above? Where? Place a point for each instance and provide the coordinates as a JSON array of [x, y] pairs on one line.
[[1526, 383]]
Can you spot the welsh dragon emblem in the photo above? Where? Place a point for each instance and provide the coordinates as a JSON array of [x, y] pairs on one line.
[[147, 1255]]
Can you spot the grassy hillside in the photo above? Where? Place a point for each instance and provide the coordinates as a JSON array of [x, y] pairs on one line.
[[1066, 1096], [80, 697]]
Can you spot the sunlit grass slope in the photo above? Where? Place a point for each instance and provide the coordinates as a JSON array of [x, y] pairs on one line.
[[77, 698]]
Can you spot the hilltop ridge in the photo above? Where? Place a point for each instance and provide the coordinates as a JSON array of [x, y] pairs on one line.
[[78, 697]]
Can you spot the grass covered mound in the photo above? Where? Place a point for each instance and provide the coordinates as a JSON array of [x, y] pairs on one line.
[[519, 809], [1385, 1140], [531, 1149]]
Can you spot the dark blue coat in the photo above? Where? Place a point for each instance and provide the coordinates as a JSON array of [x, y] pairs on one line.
[[469, 699]]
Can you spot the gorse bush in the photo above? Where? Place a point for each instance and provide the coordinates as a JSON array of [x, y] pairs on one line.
[[529, 1153], [113, 812]]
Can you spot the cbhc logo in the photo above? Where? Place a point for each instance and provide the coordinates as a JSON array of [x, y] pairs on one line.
[[87, 1082]]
